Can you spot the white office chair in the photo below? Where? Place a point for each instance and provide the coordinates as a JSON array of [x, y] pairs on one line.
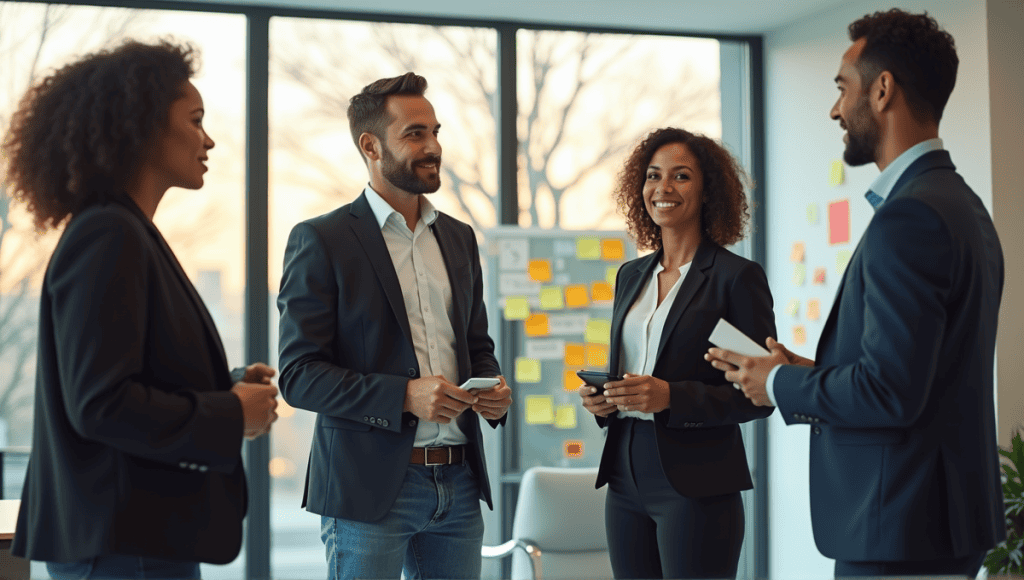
[[558, 528]]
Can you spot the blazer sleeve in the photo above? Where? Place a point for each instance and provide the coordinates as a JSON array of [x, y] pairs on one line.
[[748, 307], [907, 262], [99, 283], [481, 346], [310, 377]]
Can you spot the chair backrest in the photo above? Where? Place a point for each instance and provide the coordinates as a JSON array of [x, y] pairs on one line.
[[560, 511]]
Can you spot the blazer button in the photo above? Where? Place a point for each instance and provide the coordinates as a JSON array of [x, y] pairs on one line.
[[380, 421], [412, 422], [193, 466], [384, 423], [817, 430], [796, 416], [365, 418], [203, 469], [412, 372], [183, 465]]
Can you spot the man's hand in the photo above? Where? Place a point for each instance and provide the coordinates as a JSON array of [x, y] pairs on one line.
[[794, 359], [258, 404], [593, 402], [258, 373], [493, 403], [437, 400], [747, 372], [642, 393]]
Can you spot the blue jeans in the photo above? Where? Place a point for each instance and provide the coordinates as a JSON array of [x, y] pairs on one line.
[[434, 530], [118, 567]]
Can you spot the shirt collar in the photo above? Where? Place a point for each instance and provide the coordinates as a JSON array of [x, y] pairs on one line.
[[882, 185], [382, 210]]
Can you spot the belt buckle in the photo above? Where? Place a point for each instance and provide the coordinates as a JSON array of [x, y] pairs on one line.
[[426, 456]]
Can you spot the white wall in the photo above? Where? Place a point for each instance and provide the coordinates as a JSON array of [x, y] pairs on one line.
[[801, 60]]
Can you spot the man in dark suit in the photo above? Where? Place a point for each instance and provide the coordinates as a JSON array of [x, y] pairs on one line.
[[904, 472], [382, 317]]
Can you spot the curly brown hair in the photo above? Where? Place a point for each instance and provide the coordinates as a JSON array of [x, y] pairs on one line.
[[80, 134], [724, 214]]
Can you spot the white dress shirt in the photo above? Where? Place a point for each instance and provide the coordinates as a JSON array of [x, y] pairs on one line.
[[642, 330], [427, 294]]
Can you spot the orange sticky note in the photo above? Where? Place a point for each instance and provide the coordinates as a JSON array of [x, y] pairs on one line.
[[597, 355], [573, 448], [613, 249], [576, 296], [537, 325], [574, 355], [799, 335], [570, 380], [813, 309], [539, 270], [797, 255], [601, 291]]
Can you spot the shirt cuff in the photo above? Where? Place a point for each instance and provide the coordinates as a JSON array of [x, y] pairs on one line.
[[769, 385]]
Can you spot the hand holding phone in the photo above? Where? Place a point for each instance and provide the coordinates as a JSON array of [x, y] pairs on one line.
[[480, 383], [597, 379]]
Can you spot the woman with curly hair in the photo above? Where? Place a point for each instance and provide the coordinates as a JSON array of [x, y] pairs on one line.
[[673, 456], [135, 469]]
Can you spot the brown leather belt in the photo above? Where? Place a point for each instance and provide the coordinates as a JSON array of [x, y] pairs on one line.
[[437, 455]]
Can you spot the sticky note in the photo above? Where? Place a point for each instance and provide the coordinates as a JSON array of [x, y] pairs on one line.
[[812, 214], [537, 325], [588, 248], [527, 370], [539, 270], [564, 248], [571, 381], [609, 275], [835, 173], [799, 335], [842, 259], [598, 331], [545, 348], [797, 255], [613, 249], [839, 222], [540, 409], [813, 309], [819, 276], [565, 417], [597, 355], [575, 355], [551, 298], [576, 296], [573, 448], [799, 274], [601, 291], [793, 308], [513, 254], [516, 308]]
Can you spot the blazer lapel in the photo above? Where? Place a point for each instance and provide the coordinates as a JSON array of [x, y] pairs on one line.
[[694, 279], [631, 286]]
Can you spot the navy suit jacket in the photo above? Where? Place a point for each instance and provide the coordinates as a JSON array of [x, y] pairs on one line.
[[136, 445], [903, 462], [699, 440], [347, 355]]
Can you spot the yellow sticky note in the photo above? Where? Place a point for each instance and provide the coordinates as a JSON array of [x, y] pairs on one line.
[[565, 417], [574, 355], [613, 249], [799, 274], [597, 355], [588, 248], [601, 291], [539, 270], [527, 370], [842, 259], [812, 214], [537, 325], [835, 173], [599, 331], [516, 308], [571, 381], [797, 255], [793, 308], [551, 298], [576, 296], [540, 409], [813, 309], [609, 275], [799, 335]]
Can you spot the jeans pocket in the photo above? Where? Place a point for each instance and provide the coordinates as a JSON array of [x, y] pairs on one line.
[[71, 570]]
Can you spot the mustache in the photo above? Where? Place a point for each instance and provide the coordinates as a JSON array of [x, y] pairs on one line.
[[428, 159]]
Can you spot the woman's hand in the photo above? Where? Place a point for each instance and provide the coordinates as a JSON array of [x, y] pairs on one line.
[[642, 393], [593, 402]]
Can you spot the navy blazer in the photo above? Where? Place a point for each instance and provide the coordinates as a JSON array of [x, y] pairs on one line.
[[699, 440], [347, 355], [903, 461], [136, 445]]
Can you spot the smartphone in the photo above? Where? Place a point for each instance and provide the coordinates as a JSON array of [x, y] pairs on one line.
[[597, 379], [480, 383]]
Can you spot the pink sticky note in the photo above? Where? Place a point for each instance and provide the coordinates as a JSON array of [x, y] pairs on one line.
[[839, 222]]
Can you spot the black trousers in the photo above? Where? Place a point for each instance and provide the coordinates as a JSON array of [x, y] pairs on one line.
[[653, 531], [966, 567]]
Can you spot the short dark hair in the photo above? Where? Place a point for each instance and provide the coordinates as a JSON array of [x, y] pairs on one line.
[[367, 111], [80, 134], [725, 212], [920, 55]]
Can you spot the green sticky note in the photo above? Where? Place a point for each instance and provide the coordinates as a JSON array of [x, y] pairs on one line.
[[799, 274], [842, 259], [598, 331], [527, 370], [609, 275], [551, 298], [812, 214], [588, 248], [793, 308], [516, 308]]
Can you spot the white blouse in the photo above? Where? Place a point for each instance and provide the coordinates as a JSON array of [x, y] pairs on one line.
[[642, 329]]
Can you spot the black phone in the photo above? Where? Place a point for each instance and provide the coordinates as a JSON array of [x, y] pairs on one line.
[[597, 379]]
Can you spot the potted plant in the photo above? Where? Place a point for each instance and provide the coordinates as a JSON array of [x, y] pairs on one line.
[[1008, 557]]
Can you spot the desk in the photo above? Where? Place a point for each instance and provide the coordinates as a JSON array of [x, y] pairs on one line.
[[11, 567]]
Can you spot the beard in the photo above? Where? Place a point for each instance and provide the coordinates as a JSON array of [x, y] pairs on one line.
[[862, 131], [405, 178]]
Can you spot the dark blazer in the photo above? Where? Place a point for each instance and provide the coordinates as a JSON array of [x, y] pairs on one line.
[[347, 355], [699, 439], [903, 444], [136, 445]]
